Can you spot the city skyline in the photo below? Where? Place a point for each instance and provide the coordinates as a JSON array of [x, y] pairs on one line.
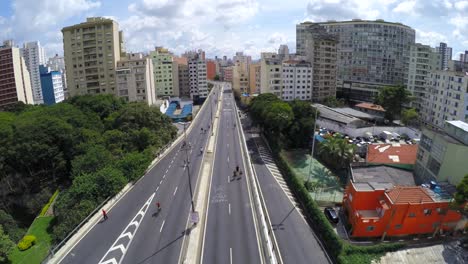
[[224, 27]]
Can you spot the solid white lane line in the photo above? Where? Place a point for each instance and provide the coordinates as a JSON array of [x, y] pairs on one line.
[[160, 182], [164, 176], [228, 159], [229, 209], [230, 254], [162, 226], [175, 190], [157, 189]]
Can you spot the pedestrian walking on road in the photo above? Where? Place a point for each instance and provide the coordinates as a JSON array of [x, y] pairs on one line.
[[104, 214], [237, 168]]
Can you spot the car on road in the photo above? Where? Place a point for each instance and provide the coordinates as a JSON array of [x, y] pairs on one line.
[[331, 214]]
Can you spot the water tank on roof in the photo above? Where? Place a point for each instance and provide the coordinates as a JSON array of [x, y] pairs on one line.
[[433, 185]]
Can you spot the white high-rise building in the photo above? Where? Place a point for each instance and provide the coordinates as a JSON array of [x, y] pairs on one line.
[[57, 63], [297, 80], [197, 75], [445, 55], [34, 55]]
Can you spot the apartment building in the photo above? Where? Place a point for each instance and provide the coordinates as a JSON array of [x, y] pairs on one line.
[[240, 78], [34, 55], [442, 154], [245, 60], [445, 53], [283, 52], [447, 96], [227, 73], [197, 75], [210, 69], [370, 54], [296, 80], [423, 60], [51, 85], [135, 79], [165, 72], [254, 78], [270, 74], [57, 63], [91, 51], [15, 84], [184, 80]]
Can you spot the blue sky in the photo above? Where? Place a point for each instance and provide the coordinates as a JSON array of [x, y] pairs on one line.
[[222, 27]]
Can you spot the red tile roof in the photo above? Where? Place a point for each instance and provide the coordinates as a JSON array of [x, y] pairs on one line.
[[371, 107], [392, 154], [413, 194]]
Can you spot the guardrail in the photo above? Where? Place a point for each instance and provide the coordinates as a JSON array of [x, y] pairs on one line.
[[270, 248]]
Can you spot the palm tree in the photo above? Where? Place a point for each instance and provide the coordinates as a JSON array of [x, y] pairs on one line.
[[337, 152]]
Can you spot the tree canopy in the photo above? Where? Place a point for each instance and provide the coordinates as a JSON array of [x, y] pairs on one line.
[[409, 116], [461, 196], [392, 99]]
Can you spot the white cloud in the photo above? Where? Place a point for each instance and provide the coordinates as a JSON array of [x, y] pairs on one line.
[[407, 7], [322, 10], [430, 37], [461, 5]]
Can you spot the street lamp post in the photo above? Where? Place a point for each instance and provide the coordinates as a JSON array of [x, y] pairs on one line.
[[187, 163]]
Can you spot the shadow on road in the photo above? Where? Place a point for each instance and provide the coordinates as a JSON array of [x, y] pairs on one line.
[[280, 225], [182, 234]]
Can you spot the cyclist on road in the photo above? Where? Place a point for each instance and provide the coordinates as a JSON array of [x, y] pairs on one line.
[[158, 205], [201, 151]]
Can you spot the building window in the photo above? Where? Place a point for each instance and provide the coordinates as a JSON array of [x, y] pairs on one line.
[[427, 211], [370, 228], [412, 215], [399, 226]]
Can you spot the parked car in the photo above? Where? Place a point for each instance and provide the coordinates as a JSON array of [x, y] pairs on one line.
[[331, 214]]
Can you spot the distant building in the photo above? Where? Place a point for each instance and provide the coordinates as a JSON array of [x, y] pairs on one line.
[[464, 56], [396, 155], [370, 54], [51, 85], [442, 155], [57, 63], [423, 60], [270, 74], [184, 80], [227, 73], [384, 202], [254, 78], [447, 96], [135, 79], [240, 78], [330, 117], [210, 70], [34, 55], [296, 80], [91, 51], [245, 60], [445, 55], [283, 52], [372, 109], [197, 75], [165, 73], [15, 84]]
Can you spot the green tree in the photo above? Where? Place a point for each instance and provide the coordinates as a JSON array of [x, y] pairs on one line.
[[95, 158], [134, 164], [278, 116], [259, 104], [337, 152], [102, 105], [302, 127], [11, 227], [216, 78], [409, 116], [461, 196], [332, 101], [391, 98], [6, 245]]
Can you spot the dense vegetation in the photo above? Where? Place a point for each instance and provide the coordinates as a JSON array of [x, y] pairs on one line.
[[89, 147], [392, 99], [288, 123], [461, 196], [336, 151]]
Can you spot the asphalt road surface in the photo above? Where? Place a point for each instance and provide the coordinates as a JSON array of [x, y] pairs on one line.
[[230, 234], [136, 232]]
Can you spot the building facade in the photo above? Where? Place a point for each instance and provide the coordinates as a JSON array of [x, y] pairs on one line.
[[445, 53], [270, 74], [447, 97], [370, 55], [91, 52], [240, 78], [210, 70], [34, 55], [227, 73], [51, 85], [254, 78], [197, 75], [165, 72], [57, 63], [442, 154], [283, 52], [423, 60], [245, 60], [15, 84], [135, 79], [184, 80], [296, 80]]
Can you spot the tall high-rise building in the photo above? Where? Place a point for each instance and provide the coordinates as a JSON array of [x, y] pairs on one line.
[[254, 78], [15, 84], [240, 78], [370, 54], [464, 56], [135, 79], [423, 60], [283, 52], [165, 72], [184, 80], [34, 55], [51, 85], [57, 63], [447, 96], [91, 51], [445, 55], [296, 80], [245, 60], [270, 74], [210, 69], [197, 75]]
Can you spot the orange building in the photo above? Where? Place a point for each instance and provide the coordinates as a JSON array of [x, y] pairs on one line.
[[376, 208], [210, 70]]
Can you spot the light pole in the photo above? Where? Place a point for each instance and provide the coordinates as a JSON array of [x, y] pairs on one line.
[[187, 163], [313, 145]]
